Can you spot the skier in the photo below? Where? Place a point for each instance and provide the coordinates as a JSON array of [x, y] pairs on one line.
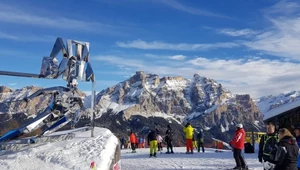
[[152, 141], [159, 141], [168, 139], [144, 142], [140, 142], [189, 131], [123, 143], [128, 143], [238, 144], [136, 141], [132, 141], [200, 140]]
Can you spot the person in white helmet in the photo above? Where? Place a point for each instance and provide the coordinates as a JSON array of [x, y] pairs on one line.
[[238, 145]]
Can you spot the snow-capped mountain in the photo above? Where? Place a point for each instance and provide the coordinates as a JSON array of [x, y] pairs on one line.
[[146, 101], [200, 101], [171, 96], [272, 105]]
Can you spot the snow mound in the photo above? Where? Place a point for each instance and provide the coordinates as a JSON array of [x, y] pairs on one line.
[[77, 153]]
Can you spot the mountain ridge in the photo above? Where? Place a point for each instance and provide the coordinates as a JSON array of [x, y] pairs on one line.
[[145, 101]]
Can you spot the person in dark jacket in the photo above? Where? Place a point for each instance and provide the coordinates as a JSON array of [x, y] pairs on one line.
[[168, 139], [152, 141], [122, 142], [238, 145], [289, 156], [266, 145], [297, 133], [200, 140]]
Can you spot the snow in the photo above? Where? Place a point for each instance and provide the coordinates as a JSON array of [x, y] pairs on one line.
[[280, 109], [76, 153], [223, 129], [271, 106], [159, 114], [210, 160], [17, 94], [176, 84], [256, 123], [211, 109]]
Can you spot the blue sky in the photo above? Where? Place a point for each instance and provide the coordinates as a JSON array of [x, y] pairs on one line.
[[249, 46]]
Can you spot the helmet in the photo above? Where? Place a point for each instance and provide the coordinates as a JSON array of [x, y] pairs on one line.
[[239, 125]]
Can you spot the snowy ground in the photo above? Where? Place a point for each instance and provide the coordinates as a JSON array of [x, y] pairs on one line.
[[210, 160], [75, 154]]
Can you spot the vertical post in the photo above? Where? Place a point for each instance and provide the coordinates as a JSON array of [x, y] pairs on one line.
[[253, 140], [93, 98]]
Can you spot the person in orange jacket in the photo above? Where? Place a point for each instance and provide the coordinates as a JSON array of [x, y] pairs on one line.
[[132, 141], [189, 132]]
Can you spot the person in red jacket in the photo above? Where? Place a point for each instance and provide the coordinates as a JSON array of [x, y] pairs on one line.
[[132, 141], [238, 145]]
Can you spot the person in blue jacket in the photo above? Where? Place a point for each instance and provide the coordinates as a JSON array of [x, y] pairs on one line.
[[297, 133]]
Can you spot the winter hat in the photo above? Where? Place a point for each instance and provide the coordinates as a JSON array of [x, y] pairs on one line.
[[239, 125]]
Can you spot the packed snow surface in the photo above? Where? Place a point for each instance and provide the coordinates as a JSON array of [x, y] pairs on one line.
[[76, 154], [210, 160]]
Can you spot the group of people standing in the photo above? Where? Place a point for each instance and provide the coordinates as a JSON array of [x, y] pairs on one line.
[[155, 141], [278, 150], [191, 137], [132, 142]]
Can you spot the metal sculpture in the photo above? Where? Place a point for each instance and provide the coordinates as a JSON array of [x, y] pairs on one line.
[[66, 104]]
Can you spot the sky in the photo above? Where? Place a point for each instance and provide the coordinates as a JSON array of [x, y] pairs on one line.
[[250, 47]]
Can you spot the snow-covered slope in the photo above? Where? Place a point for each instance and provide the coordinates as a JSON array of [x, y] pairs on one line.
[[271, 106], [76, 154], [210, 160]]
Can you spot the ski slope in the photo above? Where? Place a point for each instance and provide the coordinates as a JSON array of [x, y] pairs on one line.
[[78, 154], [210, 160]]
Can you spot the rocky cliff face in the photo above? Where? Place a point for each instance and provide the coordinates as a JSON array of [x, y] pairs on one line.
[[15, 110], [201, 101]]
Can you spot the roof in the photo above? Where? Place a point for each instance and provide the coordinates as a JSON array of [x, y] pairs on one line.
[[281, 109]]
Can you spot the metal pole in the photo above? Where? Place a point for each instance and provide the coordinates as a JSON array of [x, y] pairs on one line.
[[93, 98], [253, 140]]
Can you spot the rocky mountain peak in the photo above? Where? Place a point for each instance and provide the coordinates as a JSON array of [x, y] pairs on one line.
[[4, 89]]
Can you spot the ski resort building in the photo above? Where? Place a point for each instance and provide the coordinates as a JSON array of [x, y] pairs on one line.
[[285, 115]]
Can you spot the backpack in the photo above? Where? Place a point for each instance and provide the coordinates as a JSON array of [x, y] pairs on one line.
[[270, 147], [278, 154]]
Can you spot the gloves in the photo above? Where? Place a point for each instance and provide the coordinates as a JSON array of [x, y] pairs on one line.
[[260, 159]]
